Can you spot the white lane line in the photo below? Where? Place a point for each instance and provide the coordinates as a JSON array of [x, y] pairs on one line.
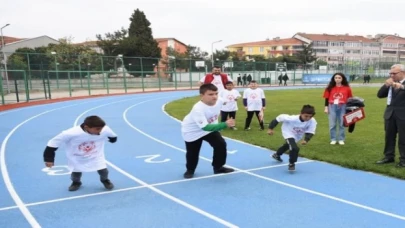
[[140, 187], [276, 181], [4, 172], [146, 184], [183, 203]]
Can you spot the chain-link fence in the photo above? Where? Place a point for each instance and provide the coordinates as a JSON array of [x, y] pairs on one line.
[[43, 76]]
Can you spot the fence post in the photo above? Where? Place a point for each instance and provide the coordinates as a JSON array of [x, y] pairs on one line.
[[143, 85], [125, 79], [49, 86], [88, 82], [27, 92], [70, 85], [1, 89], [108, 85], [29, 70]]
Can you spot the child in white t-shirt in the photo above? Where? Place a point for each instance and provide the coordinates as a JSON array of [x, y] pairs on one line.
[[84, 150], [294, 128], [230, 96], [254, 101], [201, 124]]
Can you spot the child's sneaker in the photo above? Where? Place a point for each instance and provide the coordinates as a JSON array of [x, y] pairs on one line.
[[107, 184], [74, 186], [277, 157], [291, 167]]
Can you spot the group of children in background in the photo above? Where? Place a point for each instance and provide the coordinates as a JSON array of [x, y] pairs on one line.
[[294, 128]]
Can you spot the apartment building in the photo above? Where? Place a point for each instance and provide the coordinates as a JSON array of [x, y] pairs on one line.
[[335, 49], [269, 48]]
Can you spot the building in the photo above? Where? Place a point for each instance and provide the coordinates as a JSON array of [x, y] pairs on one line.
[[177, 45], [9, 39], [335, 49], [10, 47], [269, 48], [340, 48], [392, 47]]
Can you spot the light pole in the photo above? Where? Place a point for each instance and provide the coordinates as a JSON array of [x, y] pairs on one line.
[[212, 51], [4, 56]]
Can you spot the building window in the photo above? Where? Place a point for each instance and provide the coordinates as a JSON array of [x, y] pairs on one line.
[[261, 49], [170, 43]]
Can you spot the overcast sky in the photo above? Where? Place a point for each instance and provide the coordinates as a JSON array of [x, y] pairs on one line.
[[200, 22]]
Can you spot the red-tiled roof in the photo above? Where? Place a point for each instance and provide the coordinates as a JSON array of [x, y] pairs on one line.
[[393, 39], [274, 42], [337, 37], [9, 39]]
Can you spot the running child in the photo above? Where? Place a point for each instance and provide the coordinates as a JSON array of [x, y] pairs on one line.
[[294, 128], [84, 150]]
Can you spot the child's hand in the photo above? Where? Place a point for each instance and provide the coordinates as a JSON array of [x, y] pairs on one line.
[[49, 164], [303, 142], [230, 122], [270, 132]]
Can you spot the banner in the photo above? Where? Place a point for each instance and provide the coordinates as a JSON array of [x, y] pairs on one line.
[[316, 78]]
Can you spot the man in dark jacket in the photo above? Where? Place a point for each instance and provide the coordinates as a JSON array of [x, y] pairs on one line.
[[394, 116]]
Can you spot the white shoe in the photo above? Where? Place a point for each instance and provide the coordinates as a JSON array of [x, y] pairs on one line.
[[333, 142], [341, 142]]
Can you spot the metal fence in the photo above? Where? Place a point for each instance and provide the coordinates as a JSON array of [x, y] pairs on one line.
[[31, 76]]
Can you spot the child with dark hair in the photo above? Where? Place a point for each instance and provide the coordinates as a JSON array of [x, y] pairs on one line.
[[294, 128], [230, 96], [84, 150], [336, 95], [202, 124], [254, 101]]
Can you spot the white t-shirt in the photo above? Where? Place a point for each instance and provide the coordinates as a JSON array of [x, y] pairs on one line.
[[217, 81], [84, 152], [199, 116], [254, 98], [293, 127], [229, 97]]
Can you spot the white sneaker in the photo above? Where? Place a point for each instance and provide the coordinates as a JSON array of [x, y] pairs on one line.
[[333, 142], [341, 142]]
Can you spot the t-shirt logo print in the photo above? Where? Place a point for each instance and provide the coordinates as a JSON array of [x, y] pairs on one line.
[[230, 97], [87, 147], [298, 130], [253, 96], [338, 96]]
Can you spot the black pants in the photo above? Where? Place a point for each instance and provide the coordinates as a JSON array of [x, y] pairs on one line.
[[291, 145], [217, 143], [76, 176], [224, 115], [393, 128], [249, 119]]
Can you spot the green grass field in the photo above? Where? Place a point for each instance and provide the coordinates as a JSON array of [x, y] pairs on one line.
[[363, 147]]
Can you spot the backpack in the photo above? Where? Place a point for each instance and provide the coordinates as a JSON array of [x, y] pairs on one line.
[[210, 77]]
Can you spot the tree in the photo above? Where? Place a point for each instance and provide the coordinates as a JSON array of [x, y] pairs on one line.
[[140, 36], [111, 44], [307, 55]]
